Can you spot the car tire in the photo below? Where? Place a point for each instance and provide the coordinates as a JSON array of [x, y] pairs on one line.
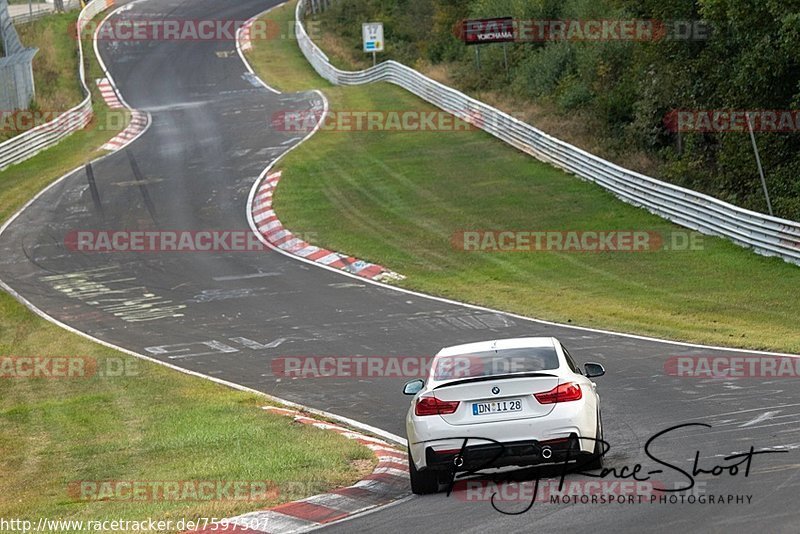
[[422, 482], [594, 460]]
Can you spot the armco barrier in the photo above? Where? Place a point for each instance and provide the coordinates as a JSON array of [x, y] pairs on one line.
[[32, 12], [28, 144], [16, 65], [766, 235]]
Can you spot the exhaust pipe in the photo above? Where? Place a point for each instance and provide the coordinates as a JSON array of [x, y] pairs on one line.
[[458, 461], [547, 453]]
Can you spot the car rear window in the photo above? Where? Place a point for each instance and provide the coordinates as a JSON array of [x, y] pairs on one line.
[[495, 362]]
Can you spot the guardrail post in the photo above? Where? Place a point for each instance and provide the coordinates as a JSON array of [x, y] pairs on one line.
[[758, 162]]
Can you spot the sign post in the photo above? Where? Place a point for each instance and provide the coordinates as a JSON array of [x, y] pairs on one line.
[[505, 59], [758, 161], [372, 36], [486, 31]]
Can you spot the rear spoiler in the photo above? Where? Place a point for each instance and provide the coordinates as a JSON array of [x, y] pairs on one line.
[[493, 377]]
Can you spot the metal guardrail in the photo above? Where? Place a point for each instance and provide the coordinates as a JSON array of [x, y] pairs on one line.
[[30, 143], [766, 235], [40, 10], [16, 71]]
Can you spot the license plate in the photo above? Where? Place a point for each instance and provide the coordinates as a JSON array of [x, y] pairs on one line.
[[503, 406]]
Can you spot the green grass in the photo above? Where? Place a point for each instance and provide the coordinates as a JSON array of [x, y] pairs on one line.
[[54, 65], [152, 424], [397, 198], [280, 61]]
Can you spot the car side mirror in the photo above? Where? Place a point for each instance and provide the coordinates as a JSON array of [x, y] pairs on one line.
[[413, 387], [593, 369]]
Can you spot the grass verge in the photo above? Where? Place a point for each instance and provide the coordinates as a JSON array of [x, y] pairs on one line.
[[150, 424], [54, 65], [397, 198], [20, 182], [54, 68], [145, 424]]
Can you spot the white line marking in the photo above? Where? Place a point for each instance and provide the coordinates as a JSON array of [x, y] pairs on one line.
[[241, 53], [763, 417], [275, 344], [243, 276], [750, 410]]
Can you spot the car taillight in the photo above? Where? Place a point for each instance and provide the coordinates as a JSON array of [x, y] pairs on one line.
[[434, 406], [561, 393]]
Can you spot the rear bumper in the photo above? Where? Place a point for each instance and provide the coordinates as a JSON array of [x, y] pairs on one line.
[[491, 455], [521, 439]]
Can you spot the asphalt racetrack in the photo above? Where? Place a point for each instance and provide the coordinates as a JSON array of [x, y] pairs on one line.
[[230, 314]]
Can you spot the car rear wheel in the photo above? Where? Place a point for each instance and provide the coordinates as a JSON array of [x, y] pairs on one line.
[[422, 482], [594, 460]]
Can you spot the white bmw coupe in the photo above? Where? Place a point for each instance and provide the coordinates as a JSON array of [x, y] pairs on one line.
[[512, 402]]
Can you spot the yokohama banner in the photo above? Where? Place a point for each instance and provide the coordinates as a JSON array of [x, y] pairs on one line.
[[483, 31]]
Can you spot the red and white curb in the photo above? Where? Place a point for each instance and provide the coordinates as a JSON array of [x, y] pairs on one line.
[[244, 36], [136, 126], [387, 483], [273, 231], [108, 93]]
